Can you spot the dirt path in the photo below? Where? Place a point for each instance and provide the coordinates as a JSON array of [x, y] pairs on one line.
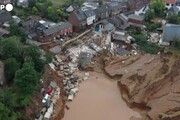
[[99, 99]]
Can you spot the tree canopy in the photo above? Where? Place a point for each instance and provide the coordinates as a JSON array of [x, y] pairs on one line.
[[158, 6], [33, 54], [27, 79], [11, 48], [11, 66]]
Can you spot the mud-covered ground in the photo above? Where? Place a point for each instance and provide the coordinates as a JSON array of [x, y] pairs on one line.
[[150, 83]]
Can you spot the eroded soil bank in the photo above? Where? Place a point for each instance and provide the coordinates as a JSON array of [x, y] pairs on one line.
[[151, 83], [99, 99]]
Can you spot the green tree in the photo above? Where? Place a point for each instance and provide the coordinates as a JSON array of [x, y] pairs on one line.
[[149, 16], [9, 98], [34, 10], [32, 3], [6, 113], [16, 31], [11, 66], [49, 58], [174, 19], [8, 104], [158, 6], [27, 79], [11, 48], [144, 45], [33, 54], [176, 44]]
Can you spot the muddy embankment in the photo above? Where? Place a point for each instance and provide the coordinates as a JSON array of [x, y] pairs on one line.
[[150, 83], [36, 105]]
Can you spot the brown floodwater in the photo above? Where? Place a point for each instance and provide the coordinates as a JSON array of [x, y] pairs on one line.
[[99, 98]]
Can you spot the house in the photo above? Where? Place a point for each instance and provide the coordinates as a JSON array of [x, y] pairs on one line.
[[119, 35], [173, 10], [116, 21], [5, 17], [90, 16], [170, 33], [104, 25], [31, 26], [136, 21], [42, 32], [71, 8], [4, 2], [78, 19], [102, 12], [51, 33], [169, 3], [23, 3], [142, 10], [141, 3], [115, 7], [131, 4], [91, 5], [124, 23], [136, 4]]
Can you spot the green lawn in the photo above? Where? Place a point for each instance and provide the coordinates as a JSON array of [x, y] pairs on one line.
[[58, 2]]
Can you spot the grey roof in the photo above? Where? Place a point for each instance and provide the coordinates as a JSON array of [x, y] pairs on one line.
[[114, 5], [80, 15], [102, 9], [32, 26], [89, 13], [109, 26], [173, 9], [122, 51], [171, 32], [123, 17], [57, 28], [136, 17], [30, 23], [5, 16], [116, 21]]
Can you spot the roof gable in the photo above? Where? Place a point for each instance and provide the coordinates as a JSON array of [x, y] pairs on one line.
[[79, 14]]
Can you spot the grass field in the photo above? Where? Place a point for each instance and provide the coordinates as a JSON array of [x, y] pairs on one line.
[[58, 2]]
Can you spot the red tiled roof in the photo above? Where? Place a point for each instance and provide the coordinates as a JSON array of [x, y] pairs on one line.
[[170, 1]]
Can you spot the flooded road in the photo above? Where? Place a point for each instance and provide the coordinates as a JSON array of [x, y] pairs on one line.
[[98, 99]]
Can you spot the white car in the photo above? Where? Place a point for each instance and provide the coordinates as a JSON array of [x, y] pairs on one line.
[[45, 98]]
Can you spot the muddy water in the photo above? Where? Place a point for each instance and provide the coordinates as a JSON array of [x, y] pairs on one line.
[[98, 99]]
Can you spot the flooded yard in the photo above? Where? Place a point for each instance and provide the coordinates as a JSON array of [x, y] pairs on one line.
[[99, 98]]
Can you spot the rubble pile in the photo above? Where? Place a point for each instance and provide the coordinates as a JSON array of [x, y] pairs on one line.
[[67, 70], [51, 95], [154, 37]]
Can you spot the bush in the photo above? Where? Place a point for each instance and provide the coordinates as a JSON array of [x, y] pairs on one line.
[[144, 45], [176, 44], [153, 26]]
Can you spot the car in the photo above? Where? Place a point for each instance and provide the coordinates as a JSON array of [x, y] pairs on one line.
[[45, 98]]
